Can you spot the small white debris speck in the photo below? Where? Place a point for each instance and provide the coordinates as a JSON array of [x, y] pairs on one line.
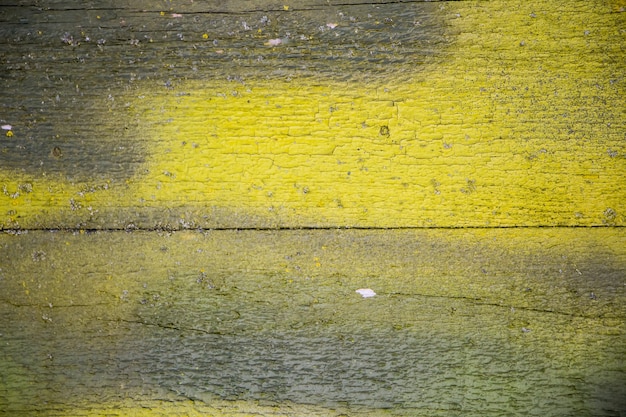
[[366, 292], [7, 127], [274, 42]]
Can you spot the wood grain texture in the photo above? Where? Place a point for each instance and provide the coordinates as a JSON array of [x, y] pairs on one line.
[[454, 136], [272, 318], [396, 115]]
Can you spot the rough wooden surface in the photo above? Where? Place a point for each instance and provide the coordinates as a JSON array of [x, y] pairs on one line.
[[494, 131], [272, 319], [420, 114]]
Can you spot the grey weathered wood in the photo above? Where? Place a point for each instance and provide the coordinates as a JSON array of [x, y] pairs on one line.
[[273, 316]]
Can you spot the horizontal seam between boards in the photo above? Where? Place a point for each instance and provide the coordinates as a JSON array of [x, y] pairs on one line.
[[296, 228]]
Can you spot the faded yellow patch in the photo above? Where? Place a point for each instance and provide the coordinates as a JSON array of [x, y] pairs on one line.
[[215, 409], [553, 294]]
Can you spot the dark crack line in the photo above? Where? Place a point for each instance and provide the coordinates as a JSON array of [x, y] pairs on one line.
[[167, 326], [243, 12], [475, 301], [52, 306]]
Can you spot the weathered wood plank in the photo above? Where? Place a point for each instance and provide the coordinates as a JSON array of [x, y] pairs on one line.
[[465, 322], [163, 116], [402, 115]]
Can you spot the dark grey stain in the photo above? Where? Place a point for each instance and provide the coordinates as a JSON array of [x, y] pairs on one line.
[[66, 71]]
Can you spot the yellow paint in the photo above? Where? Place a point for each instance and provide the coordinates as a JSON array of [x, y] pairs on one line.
[[517, 123], [273, 150], [215, 409]]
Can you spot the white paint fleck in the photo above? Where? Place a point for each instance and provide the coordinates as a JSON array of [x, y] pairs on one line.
[[366, 292], [274, 42], [7, 127]]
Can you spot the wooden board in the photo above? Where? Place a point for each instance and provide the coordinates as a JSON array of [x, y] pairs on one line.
[[270, 320], [390, 115], [177, 179]]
